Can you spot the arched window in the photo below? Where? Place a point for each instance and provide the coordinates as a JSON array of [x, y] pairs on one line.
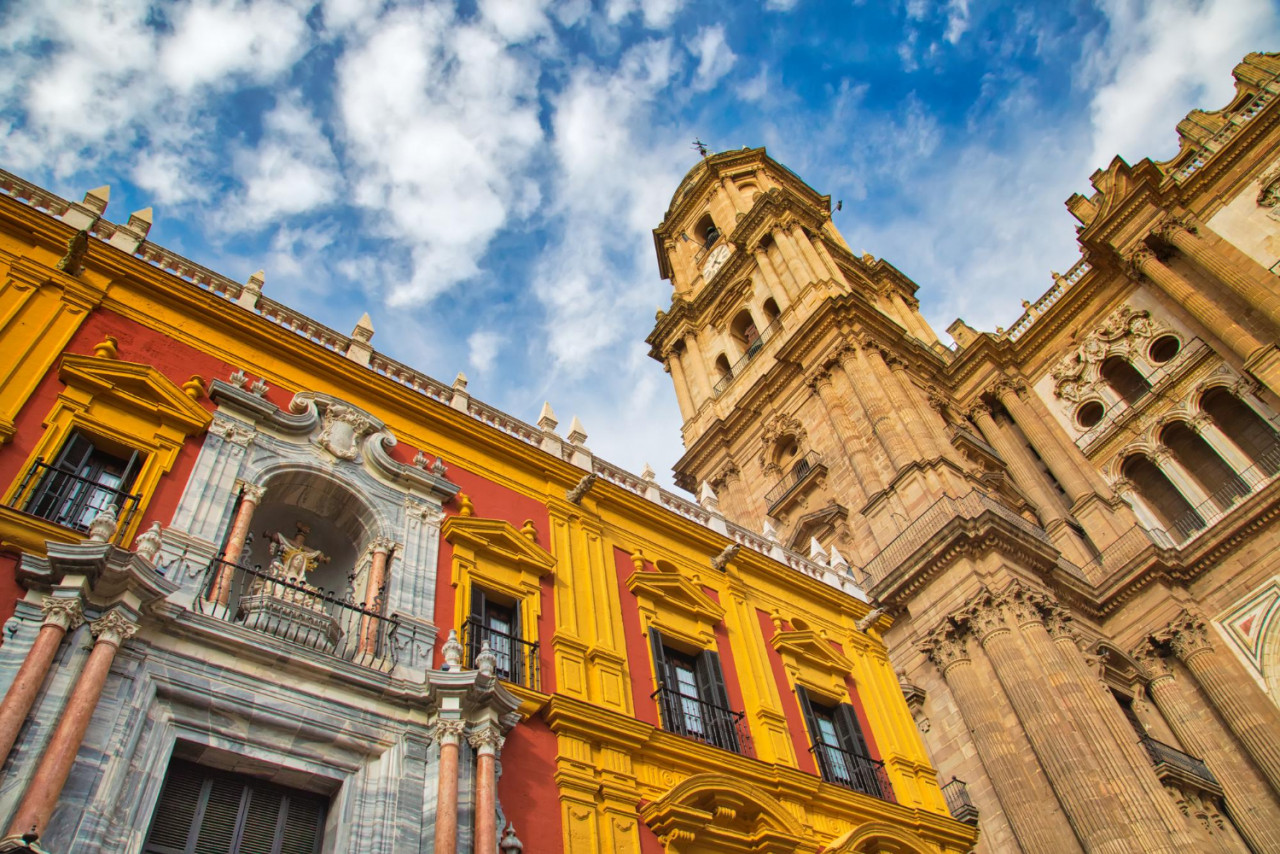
[[1124, 379], [771, 310], [744, 331], [723, 371], [1156, 490], [1248, 430], [705, 232], [1195, 455]]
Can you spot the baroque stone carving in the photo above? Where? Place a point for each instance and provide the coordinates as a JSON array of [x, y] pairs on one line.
[[721, 561], [67, 614], [1187, 635], [343, 430], [1121, 333], [946, 646], [1269, 195], [113, 628]]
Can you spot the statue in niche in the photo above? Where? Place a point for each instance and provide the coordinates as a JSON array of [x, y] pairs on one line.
[[282, 603], [293, 559]]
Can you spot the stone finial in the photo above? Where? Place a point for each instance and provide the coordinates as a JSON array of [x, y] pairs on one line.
[[963, 333], [465, 507], [259, 388], [103, 526], [147, 544], [359, 350], [460, 382], [817, 553], [529, 531], [364, 329], [420, 460], [141, 220], [547, 422], [768, 531], [83, 215], [707, 498], [452, 651], [238, 378], [647, 474], [577, 434], [486, 661], [837, 560], [510, 843], [129, 237], [194, 387], [438, 468], [97, 198], [638, 560], [252, 290], [107, 348]]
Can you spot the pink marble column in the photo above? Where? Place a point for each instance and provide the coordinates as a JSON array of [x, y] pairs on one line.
[[487, 741], [45, 787], [60, 617], [372, 594], [449, 735], [251, 497]]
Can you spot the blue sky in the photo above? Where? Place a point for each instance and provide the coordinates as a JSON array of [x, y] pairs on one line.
[[482, 177]]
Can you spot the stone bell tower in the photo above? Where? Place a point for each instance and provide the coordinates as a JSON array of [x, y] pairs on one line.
[[806, 375]]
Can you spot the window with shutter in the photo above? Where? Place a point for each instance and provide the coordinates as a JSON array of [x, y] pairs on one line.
[[839, 748], [691, 695], [206, 811], [499, 624]]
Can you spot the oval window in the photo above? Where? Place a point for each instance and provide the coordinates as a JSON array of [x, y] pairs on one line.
[[1089, 414], [1163, 349]]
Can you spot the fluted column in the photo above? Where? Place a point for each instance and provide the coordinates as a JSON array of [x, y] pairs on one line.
[[863, 470], [700, 369], [1073, 481], [250, 497], [1254, 808], [877, 378], [60, 617], [1021, 465], [1210, 315], [1236, 276], [1155, 821], [449, 736], [770, 275], [881, 467], [1013, 635], [32, 816], [671, 362], [825, 254], [1029, 804], [487, 741], [791, 258], [809, 254], [1246, 711]]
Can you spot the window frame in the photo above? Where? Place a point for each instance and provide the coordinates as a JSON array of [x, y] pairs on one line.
[[705, 716]]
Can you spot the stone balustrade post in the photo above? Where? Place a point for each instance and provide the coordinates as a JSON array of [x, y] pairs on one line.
[[448, 733], [41, 796], [487, 740], [61, 615]]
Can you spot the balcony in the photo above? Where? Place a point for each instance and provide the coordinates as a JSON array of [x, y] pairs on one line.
[[959, 804], [859, 773], [517, 658], [807, 468], [1172, 762], [299, 614], [693, 717], [71, 501], [753, 349]]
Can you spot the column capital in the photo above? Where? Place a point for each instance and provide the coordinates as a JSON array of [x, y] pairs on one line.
[[448, 730], [114, 628], [381, 544], [1122, 486], [1173, 226], [1199, 422], [66, 614], [1187, 635], [946, 646], [1137, 263], [1057, 621], [979, 411], [987, 617], [253, 492], [1006, 386], [1147, 654], [487, 739], [820, 378]]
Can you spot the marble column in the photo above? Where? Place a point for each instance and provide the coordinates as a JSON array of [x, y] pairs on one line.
[[487, 741], [1029, 804], [251, 496], [1249, 713], [1155, 820], [1013, 635], [41, 796], [1255, 811], [61, 615], [373, 594], [1235, 275], [448, 734]]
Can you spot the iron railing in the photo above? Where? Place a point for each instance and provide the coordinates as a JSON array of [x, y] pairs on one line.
[[860, 773], [753, 349], [800, 470], [1163, 754], [695, 718], [71, 501], [301, 614], [959, 803], [517, 659]]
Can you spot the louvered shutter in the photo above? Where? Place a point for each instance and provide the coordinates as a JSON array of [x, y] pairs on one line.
[[715, 698], [669, 713], [177, 813], [850, 732], [302, 827], [516, 645], [478, 631], [815, 735]]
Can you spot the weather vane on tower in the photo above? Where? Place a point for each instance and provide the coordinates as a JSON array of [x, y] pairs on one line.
[[700, 146]]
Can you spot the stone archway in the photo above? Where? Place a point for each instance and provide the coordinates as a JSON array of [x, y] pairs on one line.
[[878, 838], [719, 814]]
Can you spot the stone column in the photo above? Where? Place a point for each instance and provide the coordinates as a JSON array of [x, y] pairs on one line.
[[700, 370], [1021, 465], [1254, 808], [791, 257], [373, 594], [684, 397], [822, 383], [877, 378], [873, 449], [1029, 804], [1236, 276], [807, 251], [1156, 822], [448, 734], [32, 816], [487, 741], [1249, 714], [770, 276], [250, 497], [1223, 446], [60, 617], [1013, 635], [1211, 316], [825, 254], [1181, 479]]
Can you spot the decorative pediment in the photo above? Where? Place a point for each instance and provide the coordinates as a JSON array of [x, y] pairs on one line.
[[139, 389], [812, 661], [676, 607], [718, 812], [496, 540]]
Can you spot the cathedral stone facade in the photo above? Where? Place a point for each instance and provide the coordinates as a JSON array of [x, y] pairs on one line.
[[1071, 523]]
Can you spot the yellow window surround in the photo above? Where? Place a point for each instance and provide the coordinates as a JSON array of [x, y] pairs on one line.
[[676, 607], [125, 404], [811, 661]]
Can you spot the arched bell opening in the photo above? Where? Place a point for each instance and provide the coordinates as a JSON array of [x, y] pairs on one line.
[[1210, 471], [745, 333], [1248, 430], [1157, 492], [1124, 379]]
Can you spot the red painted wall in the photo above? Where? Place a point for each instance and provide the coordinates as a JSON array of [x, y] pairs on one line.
[[528, 789], [732, 686], [790, 705], [639, 667], [10, 590]]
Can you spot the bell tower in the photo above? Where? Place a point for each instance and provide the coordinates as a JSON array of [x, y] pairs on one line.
[[809, 383]]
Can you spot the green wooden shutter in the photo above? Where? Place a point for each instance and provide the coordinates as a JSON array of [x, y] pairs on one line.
[[815, 734], [670, 715], [715, 698], [850, 732], [476, 632]]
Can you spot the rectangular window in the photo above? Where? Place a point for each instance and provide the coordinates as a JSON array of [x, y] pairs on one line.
[[692, 696], [498, 622], [840, 749], [206, 811], [83, 480]]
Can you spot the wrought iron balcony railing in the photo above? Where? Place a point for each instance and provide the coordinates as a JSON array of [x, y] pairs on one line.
[[798, 474], [517, 658], [64, 498], [296, 612], [1163, 754], [959, 804], [753, 349], [695, 718], [860, 773]]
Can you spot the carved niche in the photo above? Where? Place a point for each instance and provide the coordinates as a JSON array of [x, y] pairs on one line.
[[1124, 332]]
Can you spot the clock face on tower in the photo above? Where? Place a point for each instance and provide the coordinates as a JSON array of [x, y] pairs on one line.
[[715, 261]]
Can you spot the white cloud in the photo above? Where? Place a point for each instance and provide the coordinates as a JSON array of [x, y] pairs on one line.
[[656, 14], [755, 88], [482, 349], [215, 39], [780, 5], [516, 20], [957, 20], [1162, 58], [291, 170], [715, 59]]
